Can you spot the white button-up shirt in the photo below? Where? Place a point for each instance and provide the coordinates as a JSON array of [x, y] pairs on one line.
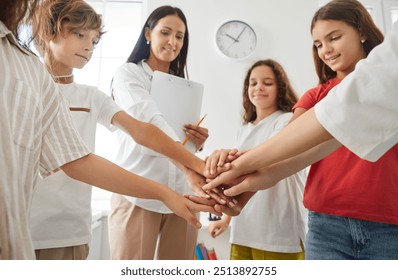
[[36, 136], [131, 90]]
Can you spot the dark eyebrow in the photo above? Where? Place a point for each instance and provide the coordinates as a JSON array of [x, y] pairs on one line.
[[168, 28], [266, 78]]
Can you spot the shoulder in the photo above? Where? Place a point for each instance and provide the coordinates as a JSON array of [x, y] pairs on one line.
[[315, 94], [131, 72], [243, 127], [321, 90], [281, 119], [128, 68]]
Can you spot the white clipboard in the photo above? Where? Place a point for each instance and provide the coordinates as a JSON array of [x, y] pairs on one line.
[[179, 100]]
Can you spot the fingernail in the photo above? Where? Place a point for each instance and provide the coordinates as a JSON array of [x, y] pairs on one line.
[[222, 201], [231, 204], [198, 225], [235, 201]]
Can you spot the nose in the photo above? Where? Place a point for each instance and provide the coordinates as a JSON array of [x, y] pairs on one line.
[[89, 46], [259, 87], [327, 48], [172, 40]]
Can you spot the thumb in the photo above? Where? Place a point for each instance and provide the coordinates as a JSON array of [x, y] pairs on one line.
[[237, 189], [191, 218]]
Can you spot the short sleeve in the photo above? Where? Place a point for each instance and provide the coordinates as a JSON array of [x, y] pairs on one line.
[[361, 112], [61, 142]]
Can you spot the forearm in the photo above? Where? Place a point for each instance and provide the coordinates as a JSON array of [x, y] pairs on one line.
[[152, 137], [102, 173], [288, 167], [296, 138]]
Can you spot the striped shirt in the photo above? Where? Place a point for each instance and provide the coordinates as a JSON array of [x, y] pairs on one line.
[[36, 136]]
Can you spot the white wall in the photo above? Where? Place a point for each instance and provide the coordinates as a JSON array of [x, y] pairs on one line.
[[282, 28]]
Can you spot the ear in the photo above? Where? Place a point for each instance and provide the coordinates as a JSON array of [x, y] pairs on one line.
[[147, 34], [363, 38]]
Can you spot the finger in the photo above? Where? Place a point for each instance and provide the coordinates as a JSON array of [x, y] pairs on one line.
[[223, 168], [200, 200], [222, 159], [234, 211], [216, 232], [216, 195], [237, 189], [241, 152], [190, 217], [203, 194], [201, 130], [211, 164], [205, 208], [197, 133], [223, 178], [233, 152], [228, 200]]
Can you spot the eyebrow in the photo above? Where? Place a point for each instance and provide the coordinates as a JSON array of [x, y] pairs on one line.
[[169, 28], [267, 78]]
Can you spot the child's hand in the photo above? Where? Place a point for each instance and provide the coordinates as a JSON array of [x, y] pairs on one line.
[[186, 209], [196, 182], [218, 161], [216, 228], [241, 201], [197, 134]]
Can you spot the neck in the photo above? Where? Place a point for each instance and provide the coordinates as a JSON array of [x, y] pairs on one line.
[[158, 65], [61, 74], [262, 114]]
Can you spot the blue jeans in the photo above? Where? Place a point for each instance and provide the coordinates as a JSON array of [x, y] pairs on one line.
[[339, 238]]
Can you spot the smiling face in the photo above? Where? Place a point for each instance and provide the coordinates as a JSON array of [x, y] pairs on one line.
[[338, 45], [166, 40], [71, 50], [263, 90]]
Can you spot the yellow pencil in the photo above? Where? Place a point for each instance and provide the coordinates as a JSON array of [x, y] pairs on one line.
[[197, 125]]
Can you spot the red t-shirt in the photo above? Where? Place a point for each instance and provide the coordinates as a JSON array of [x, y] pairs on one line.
[[343, 184]]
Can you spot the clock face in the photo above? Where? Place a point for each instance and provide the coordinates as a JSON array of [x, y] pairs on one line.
[[236, 39]]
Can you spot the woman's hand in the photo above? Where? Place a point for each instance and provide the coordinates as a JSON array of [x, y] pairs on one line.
[[197, 134]]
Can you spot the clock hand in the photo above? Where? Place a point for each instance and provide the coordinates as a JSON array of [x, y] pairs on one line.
[[237, 38]]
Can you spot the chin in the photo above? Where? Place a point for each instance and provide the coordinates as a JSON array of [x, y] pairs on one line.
[[79, 66]]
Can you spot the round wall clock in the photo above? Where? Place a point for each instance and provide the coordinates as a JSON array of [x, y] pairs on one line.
[[236, 39]]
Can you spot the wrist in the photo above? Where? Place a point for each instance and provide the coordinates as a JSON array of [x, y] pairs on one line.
[[198, 166]]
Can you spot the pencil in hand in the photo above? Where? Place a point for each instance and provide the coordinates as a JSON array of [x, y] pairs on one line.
[[197, 125]]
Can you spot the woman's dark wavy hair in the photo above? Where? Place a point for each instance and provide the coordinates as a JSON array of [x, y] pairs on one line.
[[286, 97], [142, 49], [353, 13]]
